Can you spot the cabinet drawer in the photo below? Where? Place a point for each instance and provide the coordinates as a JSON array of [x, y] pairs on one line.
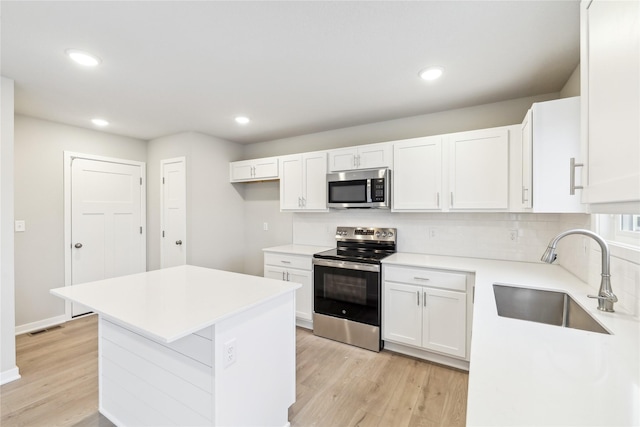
[[426, 277], [288, 261]]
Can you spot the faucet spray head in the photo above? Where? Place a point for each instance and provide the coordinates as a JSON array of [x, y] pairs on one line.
[[549, 255]]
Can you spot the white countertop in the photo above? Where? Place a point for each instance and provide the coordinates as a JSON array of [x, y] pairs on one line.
[[297, 249], [171, 303], [527, 373]]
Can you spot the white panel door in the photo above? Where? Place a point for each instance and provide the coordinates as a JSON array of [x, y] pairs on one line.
[[445, 320], [402, 313], [417, 180], [314, 178], [106, 222], [479, 170], [173, 250], [291, 182]]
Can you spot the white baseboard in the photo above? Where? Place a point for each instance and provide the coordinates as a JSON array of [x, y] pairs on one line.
[[427, 355], [40, 324], [9, 375]]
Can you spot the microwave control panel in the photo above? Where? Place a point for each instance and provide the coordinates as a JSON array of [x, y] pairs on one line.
[[377, 190]]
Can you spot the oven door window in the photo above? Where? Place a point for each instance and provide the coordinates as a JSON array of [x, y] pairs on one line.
[[348, 191], [348, 294]]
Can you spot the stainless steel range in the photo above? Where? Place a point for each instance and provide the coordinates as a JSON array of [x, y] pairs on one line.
[[347, 286]]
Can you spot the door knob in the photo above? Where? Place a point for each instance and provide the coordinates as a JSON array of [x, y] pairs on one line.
[[78, 245], [178, 242]]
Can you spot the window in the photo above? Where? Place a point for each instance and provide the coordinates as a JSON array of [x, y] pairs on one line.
[[621, 230], [630, 223]]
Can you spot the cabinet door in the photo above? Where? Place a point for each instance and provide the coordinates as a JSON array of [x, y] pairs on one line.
[[314, 179], [304, 295], [374, 156], [555, 140], [527, 161], [402, 321], [417, 174], [444, 321], [265, 168], [240, 171], [273, 272], [291, 183], [343, 159], [479, 169], [611, 83]]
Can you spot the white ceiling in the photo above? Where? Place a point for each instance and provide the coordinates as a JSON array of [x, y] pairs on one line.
[[294, 67]]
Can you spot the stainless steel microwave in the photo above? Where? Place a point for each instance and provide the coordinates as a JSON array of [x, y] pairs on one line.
[[369, 188]]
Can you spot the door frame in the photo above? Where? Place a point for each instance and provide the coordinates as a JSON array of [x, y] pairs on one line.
[[162, 224], [69, 156]]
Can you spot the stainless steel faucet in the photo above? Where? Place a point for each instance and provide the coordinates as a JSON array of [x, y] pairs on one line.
[[605, 296]]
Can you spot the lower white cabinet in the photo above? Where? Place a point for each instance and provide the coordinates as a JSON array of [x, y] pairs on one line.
[[294, 268], [426, 309]]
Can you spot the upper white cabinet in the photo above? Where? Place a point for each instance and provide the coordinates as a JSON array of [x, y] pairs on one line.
[[479, 170], [417, 179], [550, 140], [303, 182], [610, 79], [254, 170], [363, 157]]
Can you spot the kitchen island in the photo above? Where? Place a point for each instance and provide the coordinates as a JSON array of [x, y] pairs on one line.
[[193, 346]]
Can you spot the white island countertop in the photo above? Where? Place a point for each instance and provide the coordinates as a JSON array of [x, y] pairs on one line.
[[527, 373], [171, 303], [297, 249]]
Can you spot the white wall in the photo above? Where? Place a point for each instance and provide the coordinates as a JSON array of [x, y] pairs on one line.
[[8, 369], [482, 116], [39, 196], [215, 208]]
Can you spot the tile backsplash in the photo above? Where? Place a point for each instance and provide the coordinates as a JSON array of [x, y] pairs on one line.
[[504, 236]]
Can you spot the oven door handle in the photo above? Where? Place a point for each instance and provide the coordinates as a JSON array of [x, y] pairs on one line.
[[350, 265]]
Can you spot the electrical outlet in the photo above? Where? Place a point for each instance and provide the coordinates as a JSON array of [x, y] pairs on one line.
[[432, 233], [513, 235], [230, 353]]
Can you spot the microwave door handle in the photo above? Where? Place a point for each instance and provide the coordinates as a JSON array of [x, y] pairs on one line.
[[369, 190]]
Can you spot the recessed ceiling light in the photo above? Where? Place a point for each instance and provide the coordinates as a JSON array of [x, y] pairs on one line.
[[83, 58], [242, 120], [99, 122], [431, 73]]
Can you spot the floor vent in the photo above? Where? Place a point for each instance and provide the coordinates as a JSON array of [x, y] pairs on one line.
[[42, 331]]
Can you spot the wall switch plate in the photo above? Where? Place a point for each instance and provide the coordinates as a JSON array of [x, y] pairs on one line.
[[265, 226], [229, 353], [20, 226]]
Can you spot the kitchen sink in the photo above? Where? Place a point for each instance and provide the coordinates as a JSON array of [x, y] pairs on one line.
[[542, 306]]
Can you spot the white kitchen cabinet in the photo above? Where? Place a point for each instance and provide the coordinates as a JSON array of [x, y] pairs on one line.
[[253, 170], [479, 170], [610, 84], [550, 139], [426, 309], [417, 179], [303, 182], [362, 157], [294, 268]]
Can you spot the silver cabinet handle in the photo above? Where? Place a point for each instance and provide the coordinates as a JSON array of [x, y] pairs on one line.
[[452, 199], [418, 295], [78, 245], [525, 190], [424, 299], [572, 176], [420, 278], [438, 199], [285, 262], [178, 242], [283, 276], [287, 276]]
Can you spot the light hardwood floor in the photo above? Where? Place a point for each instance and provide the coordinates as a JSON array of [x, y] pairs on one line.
[[337, 385]]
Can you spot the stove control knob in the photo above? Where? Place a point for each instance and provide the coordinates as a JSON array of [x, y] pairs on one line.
[[378, 234], [390, 234], [384, 234]]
